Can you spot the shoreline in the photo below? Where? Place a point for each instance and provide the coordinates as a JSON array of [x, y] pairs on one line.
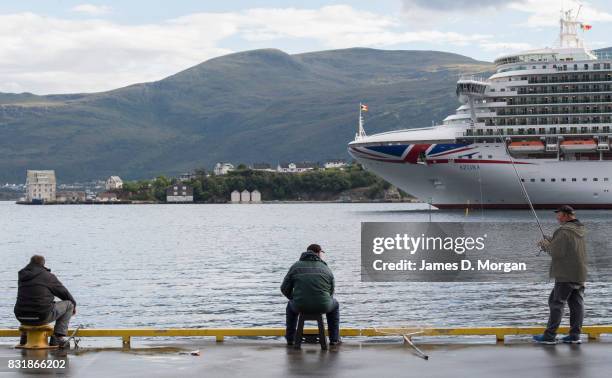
[[202, 203]]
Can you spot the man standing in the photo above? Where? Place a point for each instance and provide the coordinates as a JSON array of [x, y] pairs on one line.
[[569, 269], [37, 289], [309, 286]]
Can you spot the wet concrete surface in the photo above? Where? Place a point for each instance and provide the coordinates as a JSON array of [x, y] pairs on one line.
[[270, 358]]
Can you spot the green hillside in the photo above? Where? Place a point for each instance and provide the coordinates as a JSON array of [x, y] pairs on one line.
[[254, 106]]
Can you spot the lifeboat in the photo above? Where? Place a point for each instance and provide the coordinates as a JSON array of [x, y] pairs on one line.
[[526, 146], [579, 145]]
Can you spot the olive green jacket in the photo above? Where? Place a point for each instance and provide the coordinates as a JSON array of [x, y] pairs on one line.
[[567, 249], [309, 284]]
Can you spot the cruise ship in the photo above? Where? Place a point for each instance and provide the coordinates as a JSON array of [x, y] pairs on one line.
[[541, 122]]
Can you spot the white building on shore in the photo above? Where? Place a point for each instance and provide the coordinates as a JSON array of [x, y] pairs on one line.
[[255, 196], [40, 186], [245, 196], [179, 193], [223, 168], [331, 164], [296, 167], [113, 183]]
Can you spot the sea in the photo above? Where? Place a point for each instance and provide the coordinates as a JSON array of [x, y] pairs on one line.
[[221, 265]]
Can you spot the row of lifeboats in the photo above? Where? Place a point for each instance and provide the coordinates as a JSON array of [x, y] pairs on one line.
[[570, 145]]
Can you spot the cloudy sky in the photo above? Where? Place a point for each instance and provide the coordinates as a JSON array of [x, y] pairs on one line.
[[61, 46]]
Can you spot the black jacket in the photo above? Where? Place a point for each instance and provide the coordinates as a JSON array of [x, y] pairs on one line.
[[37, 289]]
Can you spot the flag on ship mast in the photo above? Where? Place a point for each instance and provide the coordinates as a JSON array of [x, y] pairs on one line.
[[585, 27], [360, 131]]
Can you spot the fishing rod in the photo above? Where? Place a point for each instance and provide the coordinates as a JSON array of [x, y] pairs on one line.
[[525, 194], [74, 338]]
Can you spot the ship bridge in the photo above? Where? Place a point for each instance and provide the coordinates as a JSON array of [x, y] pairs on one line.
[[471, 86], [469, 89]]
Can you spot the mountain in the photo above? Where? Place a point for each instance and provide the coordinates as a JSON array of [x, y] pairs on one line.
[[253, 106]]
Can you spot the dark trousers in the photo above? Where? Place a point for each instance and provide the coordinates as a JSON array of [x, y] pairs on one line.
[[573, 294], [60, 314], [333, 322]]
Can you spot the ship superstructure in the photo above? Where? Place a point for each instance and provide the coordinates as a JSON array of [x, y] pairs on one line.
[[548, 112]]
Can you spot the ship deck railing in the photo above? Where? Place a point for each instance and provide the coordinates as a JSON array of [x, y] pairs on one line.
[[496, 131]]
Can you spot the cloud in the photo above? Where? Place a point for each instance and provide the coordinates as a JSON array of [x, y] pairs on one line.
[[432, 12], [547, 12], [94, 55], [90, 9], [462, 5], [339, 26]]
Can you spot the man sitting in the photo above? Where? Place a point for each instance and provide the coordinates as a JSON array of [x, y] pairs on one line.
[[37, 289], [309, 286]]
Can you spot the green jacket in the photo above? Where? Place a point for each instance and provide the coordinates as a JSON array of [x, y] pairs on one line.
[[567, 249], [309, 284]]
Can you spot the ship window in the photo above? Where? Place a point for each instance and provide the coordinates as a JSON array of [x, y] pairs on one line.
[[586, 66], [574, 179], [523, 180], [575, 67], [596, 66], [553, 180], [584, 179], [605, 179], [532, 180], [563, 179], [490, 156], [543, 180], [480, 156]]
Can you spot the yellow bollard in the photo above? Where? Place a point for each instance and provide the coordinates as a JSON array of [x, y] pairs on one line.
[[37, 337]]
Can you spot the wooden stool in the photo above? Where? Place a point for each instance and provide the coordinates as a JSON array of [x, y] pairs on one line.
[[37, 337], [300, 330]]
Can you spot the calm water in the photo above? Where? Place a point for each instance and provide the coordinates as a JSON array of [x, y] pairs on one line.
[[222, 265]]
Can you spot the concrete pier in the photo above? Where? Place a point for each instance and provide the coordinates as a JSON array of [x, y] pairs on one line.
[[271, 358]]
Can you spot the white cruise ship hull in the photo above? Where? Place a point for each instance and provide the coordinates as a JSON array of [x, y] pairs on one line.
[[482, 175]]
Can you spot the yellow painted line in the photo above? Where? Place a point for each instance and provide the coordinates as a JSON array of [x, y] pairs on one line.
[[219, 333]]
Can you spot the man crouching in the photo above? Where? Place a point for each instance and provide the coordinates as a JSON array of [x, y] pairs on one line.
[[37, 289]]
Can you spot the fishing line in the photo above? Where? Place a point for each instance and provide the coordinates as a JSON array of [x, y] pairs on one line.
[[525, 194]]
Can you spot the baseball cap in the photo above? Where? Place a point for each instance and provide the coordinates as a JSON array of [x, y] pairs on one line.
[[565, 209]]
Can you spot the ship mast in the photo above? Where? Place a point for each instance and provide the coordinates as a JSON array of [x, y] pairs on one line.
[[568, 29], [360, 130]]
